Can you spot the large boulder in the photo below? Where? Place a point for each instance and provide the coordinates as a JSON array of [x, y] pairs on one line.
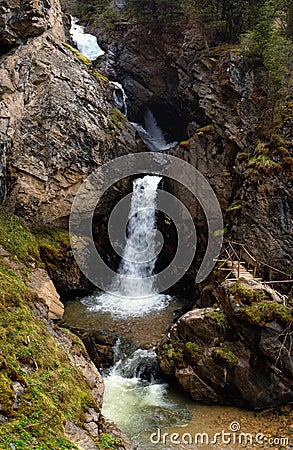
[[237, 354]]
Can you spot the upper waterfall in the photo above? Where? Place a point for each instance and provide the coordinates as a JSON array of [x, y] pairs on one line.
[[152, 134], [86, 43], [119, 96]]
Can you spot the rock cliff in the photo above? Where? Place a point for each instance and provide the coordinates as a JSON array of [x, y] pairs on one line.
[[213, 100], [56, 124]]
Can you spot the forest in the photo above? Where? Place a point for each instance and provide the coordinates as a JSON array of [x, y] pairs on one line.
[[262, 29]]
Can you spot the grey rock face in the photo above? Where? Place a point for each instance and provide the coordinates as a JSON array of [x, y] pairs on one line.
[[23, 19]]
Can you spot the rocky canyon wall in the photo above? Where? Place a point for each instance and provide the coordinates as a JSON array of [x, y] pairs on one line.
[[56, 124], [214, 102]]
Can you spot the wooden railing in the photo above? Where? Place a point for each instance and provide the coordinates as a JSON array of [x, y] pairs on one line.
[[236, 256]]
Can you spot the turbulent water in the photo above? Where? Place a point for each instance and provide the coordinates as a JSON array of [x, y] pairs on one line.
[[138, 404], [120, 97], [152, 134], [86, 43], [133, 291]]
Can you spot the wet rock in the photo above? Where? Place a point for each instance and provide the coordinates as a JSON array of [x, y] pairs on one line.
[[107, 426], [79, 437], [99, 345], [18, 390], [3, 418]]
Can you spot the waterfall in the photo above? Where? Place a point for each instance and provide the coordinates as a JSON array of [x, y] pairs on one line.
[[140, 246], [86, 43], [120, 97], [151, 133], [133, 293]]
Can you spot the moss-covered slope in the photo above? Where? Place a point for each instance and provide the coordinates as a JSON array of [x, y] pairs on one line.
[[41, 389]]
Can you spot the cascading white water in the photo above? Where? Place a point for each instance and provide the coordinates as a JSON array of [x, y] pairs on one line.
[[120, 97], [134, 294], [136, 405], [139, 257], [86, 43], [151, 133]]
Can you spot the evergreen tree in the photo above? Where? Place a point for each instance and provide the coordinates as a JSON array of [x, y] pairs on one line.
[[268, 48], [142, 10]]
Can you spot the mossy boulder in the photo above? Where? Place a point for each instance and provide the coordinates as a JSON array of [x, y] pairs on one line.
[[225, 357], [56, 254], [238, 352]]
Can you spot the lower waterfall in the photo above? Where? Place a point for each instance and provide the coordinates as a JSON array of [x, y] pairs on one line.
[[134, 293]]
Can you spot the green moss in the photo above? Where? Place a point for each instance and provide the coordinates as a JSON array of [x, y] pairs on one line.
[[242, 156], [173, 351], [54, 244], [12, 288], [219, 317], [223, 49], [208, 129], [79, 56], [244, 294], [107, 441], [111, 134], [53, 389], [265, 164], [117, 117], [184, 144], [192, 352], [282, 152], [262, 148], [7, 396], [115, 123], [235, 205], [99, 76], [225, 357], [265, 312], [16, 238]]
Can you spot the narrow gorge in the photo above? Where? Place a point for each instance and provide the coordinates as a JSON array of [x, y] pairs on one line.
[[131, 364]]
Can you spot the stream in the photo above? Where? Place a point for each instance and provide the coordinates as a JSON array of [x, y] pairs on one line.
[[137, 398]]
